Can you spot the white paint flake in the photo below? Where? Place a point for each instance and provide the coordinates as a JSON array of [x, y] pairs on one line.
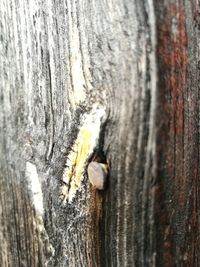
[[35, 187]]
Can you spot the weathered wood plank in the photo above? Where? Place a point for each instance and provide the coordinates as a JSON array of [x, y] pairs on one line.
[[177, 198], [115, 81]]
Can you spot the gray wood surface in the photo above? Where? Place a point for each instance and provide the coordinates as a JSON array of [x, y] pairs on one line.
[[108, 81]]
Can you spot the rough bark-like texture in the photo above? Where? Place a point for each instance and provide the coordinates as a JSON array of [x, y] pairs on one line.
[[113, 81]]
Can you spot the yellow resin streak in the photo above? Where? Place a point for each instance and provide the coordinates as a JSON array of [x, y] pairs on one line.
[[76, 163]]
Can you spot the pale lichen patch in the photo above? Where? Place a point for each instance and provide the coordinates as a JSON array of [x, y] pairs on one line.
[[81, 151]]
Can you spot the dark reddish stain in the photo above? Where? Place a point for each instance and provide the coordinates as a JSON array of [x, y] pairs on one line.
[[176, 194], [173, 51], [196, 168], [196, 11]]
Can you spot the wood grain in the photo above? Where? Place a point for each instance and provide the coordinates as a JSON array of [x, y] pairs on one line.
[[139, 60]]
